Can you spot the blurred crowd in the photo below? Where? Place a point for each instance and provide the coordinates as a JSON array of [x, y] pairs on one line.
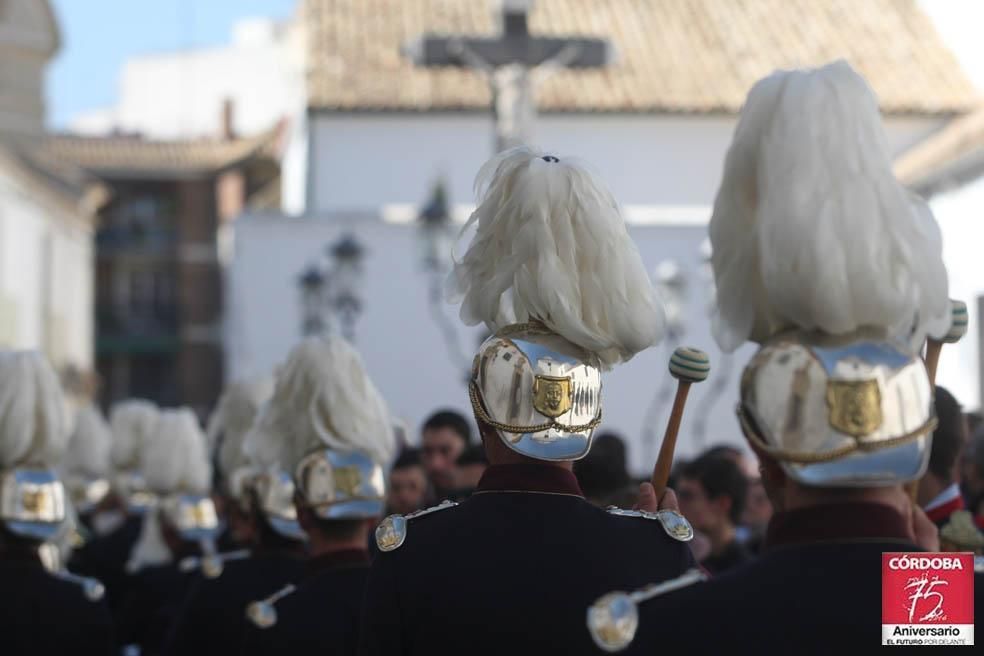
[[720, 491]]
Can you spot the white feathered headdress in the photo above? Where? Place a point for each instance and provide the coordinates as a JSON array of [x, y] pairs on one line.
[[34, 427], [133, 423], [323, 398], [551, 245], [810, 227], [234, 416], [89, 446], [175, 458]]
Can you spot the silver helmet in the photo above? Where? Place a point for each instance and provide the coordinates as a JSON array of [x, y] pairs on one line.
[[273, 496], [337, 485], [32, 503], [328, 425], [541, 393], [839, 412], [33, 437]]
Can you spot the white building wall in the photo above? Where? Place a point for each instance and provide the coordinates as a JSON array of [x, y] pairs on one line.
[[180, 94], [361, 161], [46, 279], [960, 214], [402, 345]]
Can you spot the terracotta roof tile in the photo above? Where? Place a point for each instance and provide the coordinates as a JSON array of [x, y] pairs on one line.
[[674, 55], [105, 155], [955, 153]]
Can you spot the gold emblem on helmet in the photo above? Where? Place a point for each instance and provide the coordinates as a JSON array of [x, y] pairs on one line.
[[855, 406], [348, 480], [552, 395]]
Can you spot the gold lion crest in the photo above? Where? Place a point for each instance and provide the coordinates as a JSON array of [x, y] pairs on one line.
[[855, 406], [552, 395]]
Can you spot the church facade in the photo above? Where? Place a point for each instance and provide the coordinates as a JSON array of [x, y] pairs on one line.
[[377, 133]]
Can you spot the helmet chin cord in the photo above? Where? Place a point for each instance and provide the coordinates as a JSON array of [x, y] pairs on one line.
[[520, 430]]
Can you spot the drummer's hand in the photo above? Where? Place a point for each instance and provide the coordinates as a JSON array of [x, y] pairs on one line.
[[924, 531], [647, 499]]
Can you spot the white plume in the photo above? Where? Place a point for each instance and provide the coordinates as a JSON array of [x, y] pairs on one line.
[[34, 426], [551, 245], [323, 398], [175, 458], [233, 418], [810, 227], [132, 422], [89, 446]]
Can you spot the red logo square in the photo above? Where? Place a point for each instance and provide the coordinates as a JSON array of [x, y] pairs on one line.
[[927, 598]]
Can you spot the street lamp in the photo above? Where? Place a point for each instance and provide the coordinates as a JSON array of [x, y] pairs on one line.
[[435, 228], [345, 282], [671, 283], [312, 284]]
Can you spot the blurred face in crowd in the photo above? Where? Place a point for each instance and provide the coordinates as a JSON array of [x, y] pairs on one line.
[[758, 508], [705, 514], [407, 489], [439, 451]]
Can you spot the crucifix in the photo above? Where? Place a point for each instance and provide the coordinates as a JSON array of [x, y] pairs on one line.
[[513, 63]]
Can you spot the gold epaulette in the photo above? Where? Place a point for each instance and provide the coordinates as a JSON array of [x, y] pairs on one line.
[[392, 531], [263, 613], [675, 524], [211, 565], [614, 619]]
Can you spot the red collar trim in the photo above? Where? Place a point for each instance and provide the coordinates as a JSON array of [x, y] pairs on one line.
[[836, 523], [529, 478]]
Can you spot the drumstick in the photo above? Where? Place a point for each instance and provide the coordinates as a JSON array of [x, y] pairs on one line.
[[958, 328], [688, 366]]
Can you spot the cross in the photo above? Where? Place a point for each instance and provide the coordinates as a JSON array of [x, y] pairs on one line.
[[513, 63]]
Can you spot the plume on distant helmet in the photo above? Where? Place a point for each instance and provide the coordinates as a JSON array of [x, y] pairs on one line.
[[551, 245], [233, 418], [175, 458], [323, 398], [89, 446], [34, 427], [810, 227], [133, 422]]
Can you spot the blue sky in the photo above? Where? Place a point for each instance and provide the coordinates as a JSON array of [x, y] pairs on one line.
[[99, 35]]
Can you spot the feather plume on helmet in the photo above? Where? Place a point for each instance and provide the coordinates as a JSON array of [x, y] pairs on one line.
[[810, 228], [229, 424], [176, 468], [34, 425], [175, 458], [88, 453], [323, 399], [34, 433], [551, 245], [552, 271], [133, 422], [86, 465], [823, 258]]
